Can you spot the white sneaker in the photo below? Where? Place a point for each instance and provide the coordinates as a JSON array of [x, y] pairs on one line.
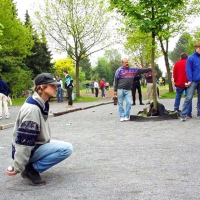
[[183, 119], [126, 118], [121, 119]]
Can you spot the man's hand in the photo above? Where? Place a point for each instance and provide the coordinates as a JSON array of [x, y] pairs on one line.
[[188, 84]]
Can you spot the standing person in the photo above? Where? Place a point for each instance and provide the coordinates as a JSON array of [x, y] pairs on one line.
[[137, 85], [87, 85], [123, 82], [193, 75], [149, 80], [69, 86], [3, 97], [33, 151], [96, 88], [59, 93], [92, 87], [102, 87], [180, 78]]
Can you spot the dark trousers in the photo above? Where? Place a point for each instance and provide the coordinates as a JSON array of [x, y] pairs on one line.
[[69, 92], [136, 85], [96, 92]]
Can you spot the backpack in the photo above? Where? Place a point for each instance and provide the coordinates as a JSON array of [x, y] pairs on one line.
[[160, 110]]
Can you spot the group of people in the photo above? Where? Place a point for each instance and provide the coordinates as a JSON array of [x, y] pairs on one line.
[[95, 86], [186, 76], [68, 86]]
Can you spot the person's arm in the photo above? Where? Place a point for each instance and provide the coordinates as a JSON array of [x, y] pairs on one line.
[[27, 133], [115, 83], [189, 64], [143, 70]]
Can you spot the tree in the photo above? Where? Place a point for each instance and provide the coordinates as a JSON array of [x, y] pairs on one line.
[[76, 27], [86, 67], [64, 64], [179, 48], [151, 16], [39, 58], [115, 60], [1, 33]]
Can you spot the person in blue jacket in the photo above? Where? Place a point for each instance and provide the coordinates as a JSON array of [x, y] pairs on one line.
[[193, 75]]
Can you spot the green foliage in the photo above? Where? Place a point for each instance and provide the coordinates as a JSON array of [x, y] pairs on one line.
[[103, 70], [18, 80], [179, 48], [86, 67], [17, 40], [39, 59], [77, 27]]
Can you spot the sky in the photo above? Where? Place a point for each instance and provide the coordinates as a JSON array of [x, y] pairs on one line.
[[23, 5]]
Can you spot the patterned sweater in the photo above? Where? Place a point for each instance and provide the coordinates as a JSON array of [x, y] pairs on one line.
[[31, 130], [124, 77]]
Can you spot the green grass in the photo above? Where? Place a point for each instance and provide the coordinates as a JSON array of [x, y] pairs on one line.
[[18, 101], [168, 95], [82, 99]]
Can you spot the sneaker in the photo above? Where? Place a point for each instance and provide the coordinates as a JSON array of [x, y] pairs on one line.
[[121, 119], [183, 119], [176, 111], [133, 104], [32, 175], [141, 104], [69, 106], [126, 118], [189, 116]]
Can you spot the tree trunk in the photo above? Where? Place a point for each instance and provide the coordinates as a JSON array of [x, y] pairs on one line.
[[77, 79], [165, 53], [153, 69]]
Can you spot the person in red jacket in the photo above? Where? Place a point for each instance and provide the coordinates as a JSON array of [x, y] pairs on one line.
[[102, 87], [180, 78]]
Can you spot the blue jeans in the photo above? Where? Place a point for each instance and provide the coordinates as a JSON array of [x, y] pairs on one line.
[[124, 94], [102, 92], [188, 99], [50, 154], [179, 92], [59, 94]]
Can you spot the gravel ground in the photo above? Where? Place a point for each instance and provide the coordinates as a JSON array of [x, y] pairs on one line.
[[113, 160]]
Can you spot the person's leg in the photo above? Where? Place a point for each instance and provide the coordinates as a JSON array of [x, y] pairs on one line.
[[5, 105], [179, 92], [120, 95], [188, 99], [61, 95], [139, 92], [158, 92], [1, 97], [103, 92], [149, 91], [69, 91], [128, 103], [198, 99], [50, 154], [133, 92]]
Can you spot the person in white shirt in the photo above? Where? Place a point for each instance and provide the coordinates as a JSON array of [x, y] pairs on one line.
[[96, 88]]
